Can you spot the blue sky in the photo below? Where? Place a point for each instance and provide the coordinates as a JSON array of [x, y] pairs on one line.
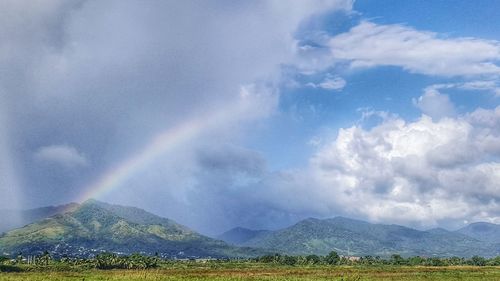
[[386, 111], [306, 112]]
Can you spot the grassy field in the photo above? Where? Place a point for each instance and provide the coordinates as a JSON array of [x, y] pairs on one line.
[[269, 273]]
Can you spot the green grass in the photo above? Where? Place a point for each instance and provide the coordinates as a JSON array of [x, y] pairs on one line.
[[262, 272]]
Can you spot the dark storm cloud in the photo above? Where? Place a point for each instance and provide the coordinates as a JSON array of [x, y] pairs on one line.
[[86, 84], [231, 159]]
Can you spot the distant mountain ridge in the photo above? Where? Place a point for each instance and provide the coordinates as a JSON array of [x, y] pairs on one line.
[[483, 231], [94, 227], [360, 238], [240, 235]]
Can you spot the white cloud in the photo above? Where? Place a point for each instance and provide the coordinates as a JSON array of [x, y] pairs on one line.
[[435, 104], [423, 172], [487, 85], [369, 45], [330, 82], [336, 83], [64, 155], [475, 85]]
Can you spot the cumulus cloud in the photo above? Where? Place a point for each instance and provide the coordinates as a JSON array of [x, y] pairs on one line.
[[422, 173], [369, 45], [425, 172], [435, 104], [64, 155]]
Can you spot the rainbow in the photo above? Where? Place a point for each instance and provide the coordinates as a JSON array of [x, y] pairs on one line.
[[159, 145]]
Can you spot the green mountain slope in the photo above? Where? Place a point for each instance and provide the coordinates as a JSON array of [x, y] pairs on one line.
[[353, 237], [94, 227]]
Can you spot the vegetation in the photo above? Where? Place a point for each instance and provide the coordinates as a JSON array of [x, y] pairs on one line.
[[107, 261], [395, 260], [88, 229], [83, 242], [95, 227], [266, 273], [108, 266], [359, 238]]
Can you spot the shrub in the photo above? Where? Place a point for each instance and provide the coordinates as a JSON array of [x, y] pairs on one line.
[[9, 268]]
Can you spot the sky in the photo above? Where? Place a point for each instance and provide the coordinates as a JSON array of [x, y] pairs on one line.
[[254, 113]]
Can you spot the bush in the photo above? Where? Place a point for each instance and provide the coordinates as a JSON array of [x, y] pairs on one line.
[[268, 258], [134, 261], [9, 268], [313, 259]]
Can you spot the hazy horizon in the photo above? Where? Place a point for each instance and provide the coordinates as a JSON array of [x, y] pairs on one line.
[[219, 114]]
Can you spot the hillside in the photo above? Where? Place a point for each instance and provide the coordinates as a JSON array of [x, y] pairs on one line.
[[358, 238], [93, 227]]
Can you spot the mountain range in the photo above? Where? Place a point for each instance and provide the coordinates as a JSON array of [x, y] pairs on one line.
[[359, 238], [86, 229]]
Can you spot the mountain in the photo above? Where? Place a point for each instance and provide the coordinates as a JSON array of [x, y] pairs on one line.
[[359, 238], [482, 231], [94, 227], [240, 235], [12, 219]]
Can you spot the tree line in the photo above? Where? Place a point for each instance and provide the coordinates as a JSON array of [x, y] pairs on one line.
[[107, 261], [102, 261], [333, 258]]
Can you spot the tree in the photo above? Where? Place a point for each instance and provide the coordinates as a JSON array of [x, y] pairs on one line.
[[268, 258], [45, 258], [313, 259], [288, 260], [416, 260], [332, 258], [456, 261], [397, 260], [494, 261], [435, 262], [477, 261]]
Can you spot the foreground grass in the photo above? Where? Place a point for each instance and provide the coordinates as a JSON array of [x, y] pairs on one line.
[[269, 273]]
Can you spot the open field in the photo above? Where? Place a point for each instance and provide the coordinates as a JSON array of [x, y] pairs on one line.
[[269, 273]]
